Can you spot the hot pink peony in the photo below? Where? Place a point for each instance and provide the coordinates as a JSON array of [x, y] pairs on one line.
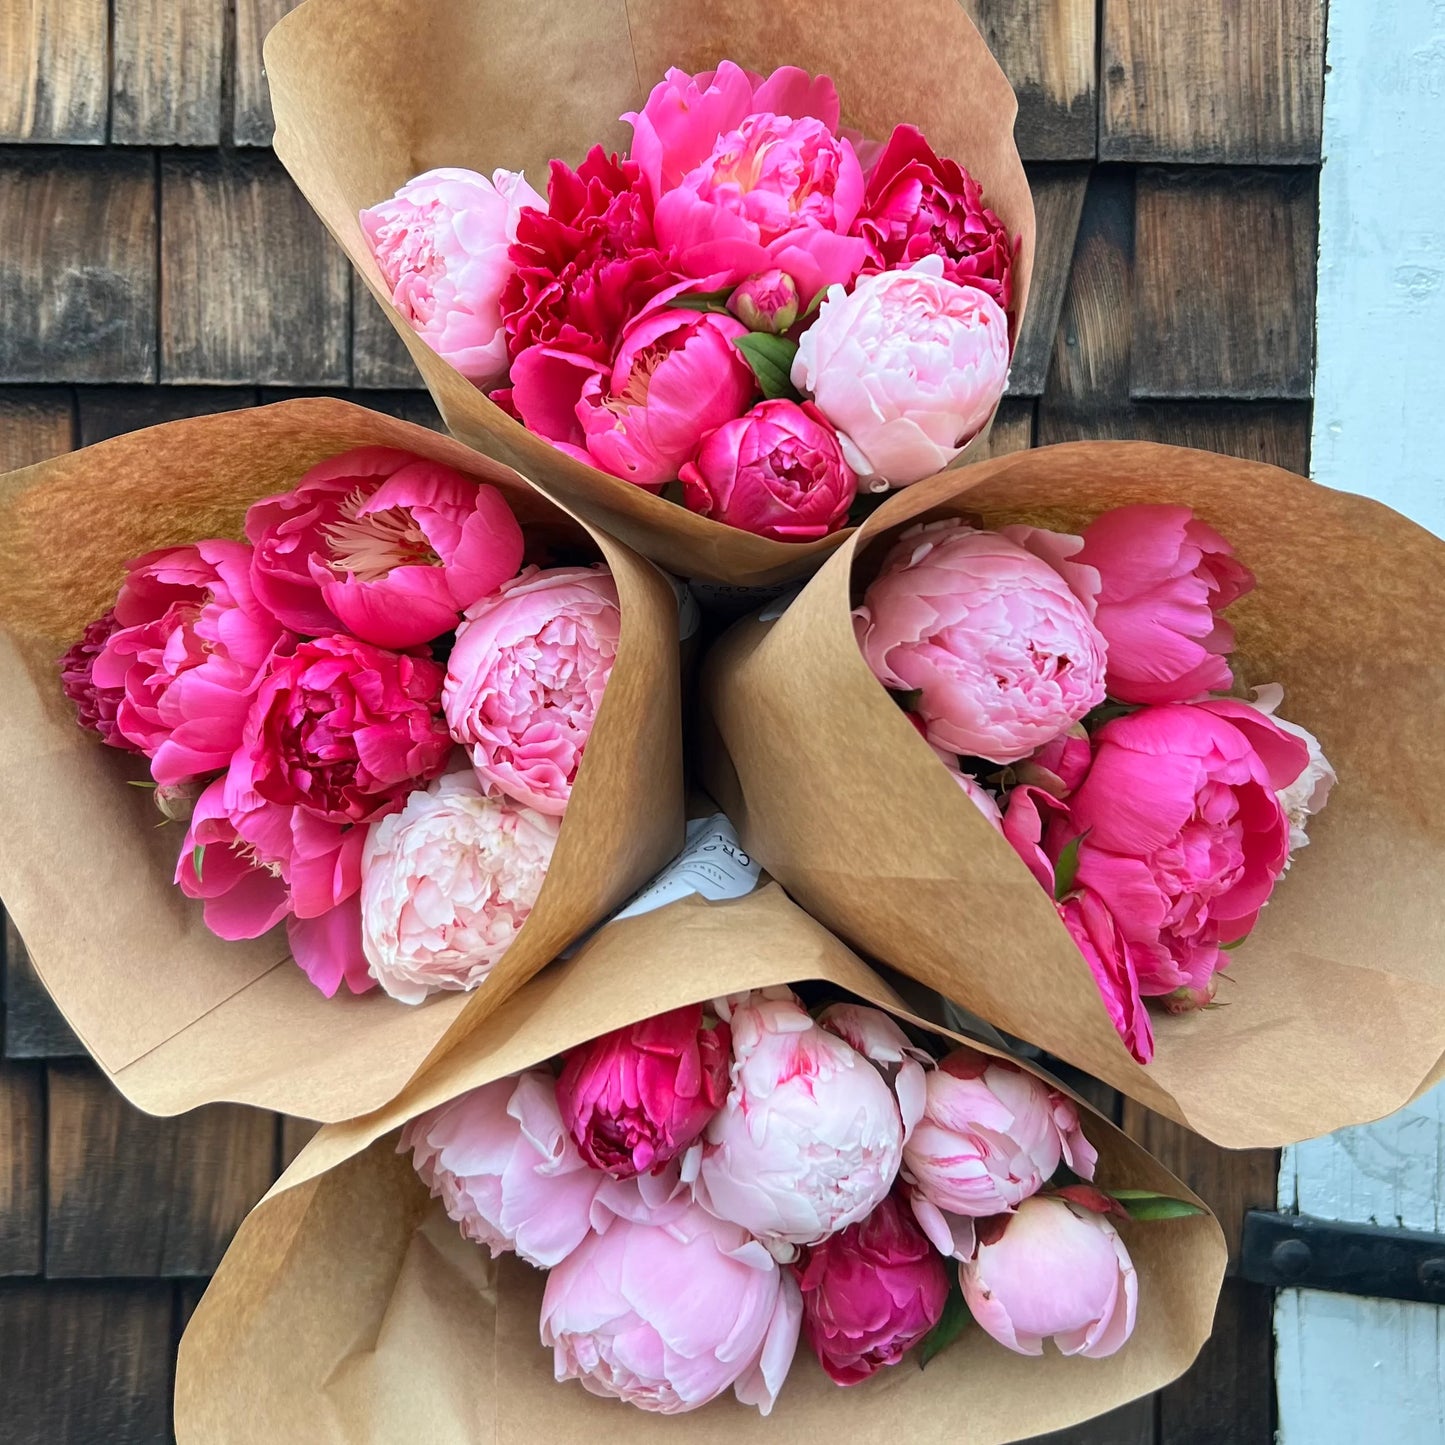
[[921, 204], [442, 246], [381, 544], [327, 948], [1001, 650], [634, 1099], [502, 1164], [447, 884], [1060, 765], [526, 676], [1052, 1270], [1110, 957], [191, 645], [244, 895], [1309, 792], [870, 1293], [908, 366], [778, 472], [1164, 578], [95, 707], [668, 1315], [1183, 834]]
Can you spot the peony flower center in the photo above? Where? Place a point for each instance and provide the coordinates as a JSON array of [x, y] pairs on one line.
[[247, 853], [644, 366], [368, 546]]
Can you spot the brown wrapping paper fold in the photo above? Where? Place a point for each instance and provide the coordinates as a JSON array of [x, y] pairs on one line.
[[174, 1015], [348, 1309], [369, 93], [1336, 1002]]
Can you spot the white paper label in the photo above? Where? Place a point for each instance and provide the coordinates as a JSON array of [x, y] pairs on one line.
[[712, 863]]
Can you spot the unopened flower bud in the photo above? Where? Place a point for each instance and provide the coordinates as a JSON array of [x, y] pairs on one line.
[[766, 302], [177, 801]]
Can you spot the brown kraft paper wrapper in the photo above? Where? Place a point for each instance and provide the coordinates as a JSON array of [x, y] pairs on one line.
[[1336, 1001], [349, 1309], [175, 1016], [369, 93]]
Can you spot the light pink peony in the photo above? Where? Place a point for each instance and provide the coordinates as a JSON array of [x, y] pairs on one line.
[[502, 1164], [95, 707], [870, 1293], [1002, 651], [1309, 792], [191, 645], [668, 1315], [446, 885], [1183, 834], [526, 676], [1164, 578], [991, 1135], [442, 246], [387, 546], [908, 366], [810, 1137], [777, 472], [634, 1099], [1052, 1270]]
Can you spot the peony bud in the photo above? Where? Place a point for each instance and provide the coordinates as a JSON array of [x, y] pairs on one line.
[[176, 802], [766, 302], [1187, 999]]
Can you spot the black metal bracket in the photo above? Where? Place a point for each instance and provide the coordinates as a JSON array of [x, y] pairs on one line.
[[1293, 1251]]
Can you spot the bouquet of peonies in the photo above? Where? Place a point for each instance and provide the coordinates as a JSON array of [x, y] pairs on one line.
[[708, 1188], [1062, 688], [710, 331], [369, 706]]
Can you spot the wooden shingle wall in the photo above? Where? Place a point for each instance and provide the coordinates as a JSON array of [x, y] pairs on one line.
[[155, 262]]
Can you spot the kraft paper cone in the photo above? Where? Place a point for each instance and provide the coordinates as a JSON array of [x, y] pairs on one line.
[[369, 93], [175, 1016], [1336, 1002], [349, 1310]]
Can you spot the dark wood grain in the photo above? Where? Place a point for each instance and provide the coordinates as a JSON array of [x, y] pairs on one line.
[[131, 1195], [35, 425], [166, 72], [252, 288], [53, 81], [412, 406], [77, 266], [379, 357], [1227, 1397], [1239, 82], [1224, 284], [1132, 1424], [253, 121], [110, 411], [1058, 204], [22, 1168], [293, 1137], [34, 1027]]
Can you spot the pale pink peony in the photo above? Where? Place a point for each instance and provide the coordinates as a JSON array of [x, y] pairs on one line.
[[667, 1315], [447, 884], [908, 366], [526, 677], [810, 1137], [1052, 1270], [442, 246], [1309, 792], [1000, 647], [502, 1164], [389, 547]]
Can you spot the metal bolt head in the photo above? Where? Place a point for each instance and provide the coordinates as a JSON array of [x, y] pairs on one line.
[[1431, 1273], [1291, 1257]]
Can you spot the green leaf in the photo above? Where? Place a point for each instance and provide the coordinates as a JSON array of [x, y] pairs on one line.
[[1145, 1204], [140, 783], [1067, 868], [951, 1324], [715, 301], [812, 306], [197, 854], [1230, 947], [1106, 712], [771, 358]]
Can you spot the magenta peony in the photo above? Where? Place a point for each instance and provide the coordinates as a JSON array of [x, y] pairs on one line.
[[446, 885], [381, 544], [243, 895], [908, 366], [327, 948], [1110, 957], [442, 245], [526, 676], [1309, 792], [778, 472], [870, 1293], [95, 707], [634, 1099]]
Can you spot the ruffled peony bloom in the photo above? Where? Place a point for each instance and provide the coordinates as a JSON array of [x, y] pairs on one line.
[[381, 544], [1164, 578], [1182, 832], [442, 244], [342, 729], [810, 1137], [634, 1099], [446, 885], [587, 263], [1309, 792], [1001, 650], [991, 1135], [908, 366], [1052, 1270], [778, 472], [502, 1164], [244, 896], [95, 707], [870, 1293], [766, 302], [921, 204], [191, 645], [668, 1315], [526, 676]]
